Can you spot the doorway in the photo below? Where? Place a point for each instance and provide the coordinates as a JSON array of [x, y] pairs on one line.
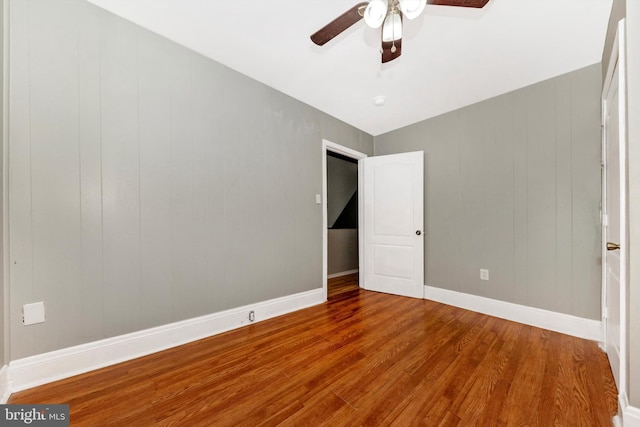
[[390, 221], [342, 224], [342, 215]]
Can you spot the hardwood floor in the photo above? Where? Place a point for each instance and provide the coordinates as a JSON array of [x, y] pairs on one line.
[[342, 285], [363, 358]]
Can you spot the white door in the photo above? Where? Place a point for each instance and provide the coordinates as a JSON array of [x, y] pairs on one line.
[[393, 224], [614, 223], [612, 233]]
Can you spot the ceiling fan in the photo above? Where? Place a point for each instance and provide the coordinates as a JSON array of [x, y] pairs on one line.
[[386, 13]]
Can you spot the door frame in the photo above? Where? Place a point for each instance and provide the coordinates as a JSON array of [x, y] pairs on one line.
[[617, 59], [353, 154]]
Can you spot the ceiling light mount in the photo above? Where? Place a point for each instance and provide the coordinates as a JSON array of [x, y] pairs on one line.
[[379, 100]]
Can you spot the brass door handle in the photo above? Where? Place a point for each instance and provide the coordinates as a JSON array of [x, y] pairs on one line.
[[612, 246]]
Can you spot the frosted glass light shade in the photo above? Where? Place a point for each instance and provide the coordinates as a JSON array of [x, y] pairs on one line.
[[412, 8], [392, 27], [375, 12]]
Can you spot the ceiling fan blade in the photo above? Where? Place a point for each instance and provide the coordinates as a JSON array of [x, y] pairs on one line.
[[387, 55], [459, 3], [338, 25]]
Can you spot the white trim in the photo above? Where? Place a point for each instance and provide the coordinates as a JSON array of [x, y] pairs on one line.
[[624, 226], [631, 417], [353, 154], [630, 414], [617, 59], [5, 386], [342, 273], [551, 320], [341, 149], [55, 365], [4, 280], [613, 60], [604, 220], [617, 421], [361, 219]]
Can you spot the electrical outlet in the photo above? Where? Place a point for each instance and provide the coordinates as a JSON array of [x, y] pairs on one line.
[[484, 274], [33, 313], [252, 316]]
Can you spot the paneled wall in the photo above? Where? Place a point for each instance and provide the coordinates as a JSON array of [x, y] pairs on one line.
[[342, 250], [512, 184], [149, 184]]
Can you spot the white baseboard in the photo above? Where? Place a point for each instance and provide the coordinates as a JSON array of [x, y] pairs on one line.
[[342, 273], [631, 417], [617, 421], [55, 365], [630, 414], [558, 322], [5, 387]]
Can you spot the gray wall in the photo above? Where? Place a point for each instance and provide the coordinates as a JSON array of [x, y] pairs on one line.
[[149, 184], [342, 244], [512, 184], [633, 135], [342, 250], [342, 182]]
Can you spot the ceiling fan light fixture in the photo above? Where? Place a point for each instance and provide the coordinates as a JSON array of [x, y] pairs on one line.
[[392, 27], [375, 13], [412, 8]]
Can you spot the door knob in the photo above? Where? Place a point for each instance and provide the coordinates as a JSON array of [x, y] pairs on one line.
[[418, 232], [612, 246]]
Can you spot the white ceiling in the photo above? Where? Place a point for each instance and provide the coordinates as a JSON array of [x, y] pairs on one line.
[[451, 56]]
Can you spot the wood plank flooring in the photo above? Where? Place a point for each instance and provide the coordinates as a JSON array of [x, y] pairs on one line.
[[340, 285], [363, 358]]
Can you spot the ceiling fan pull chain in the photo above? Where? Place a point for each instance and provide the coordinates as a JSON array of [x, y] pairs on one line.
[[393, 36]]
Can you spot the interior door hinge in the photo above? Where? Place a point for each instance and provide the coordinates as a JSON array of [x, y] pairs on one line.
[[605, 313]]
